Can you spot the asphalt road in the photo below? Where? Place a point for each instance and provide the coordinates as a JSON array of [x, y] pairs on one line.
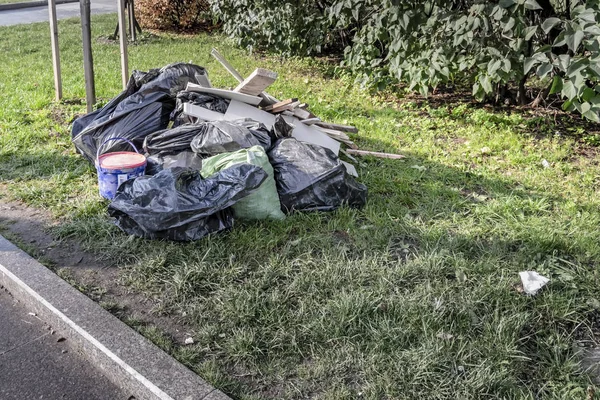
[[36, 363], [40, 14]]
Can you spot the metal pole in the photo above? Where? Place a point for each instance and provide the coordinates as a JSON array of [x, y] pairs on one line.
[[55, 51], [123, 41], [88, 62]]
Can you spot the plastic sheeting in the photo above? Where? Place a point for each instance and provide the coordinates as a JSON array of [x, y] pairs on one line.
[[216, 137], [312, 178], [142, 108], [177, 204], [208, 101]]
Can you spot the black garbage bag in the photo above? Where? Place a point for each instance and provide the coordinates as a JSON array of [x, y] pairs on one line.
[[258, 130], [216, 137], [208, 101], [142, 108], [312, 178], [182, 159], [177, 204]]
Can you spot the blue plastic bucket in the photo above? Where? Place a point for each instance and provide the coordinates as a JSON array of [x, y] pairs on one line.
[[115, 168]]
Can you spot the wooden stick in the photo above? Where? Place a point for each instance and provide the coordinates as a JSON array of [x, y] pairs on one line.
[[88, 61], [333, 132], [55, 51], [279, 104], [374, 154], [310, 121], [337, 127], [226, 65], [123, 42]]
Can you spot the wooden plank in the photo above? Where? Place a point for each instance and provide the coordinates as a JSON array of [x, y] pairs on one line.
[[238, 110], [227, 94], [311, 121], [257, 82], [88, 61], [55, 50], [374, 154], [267, 98], [280, 104], [309, 134], [303, 114], [290, 106], [333, 133], [337, 127], [201, 112], [122, 42]]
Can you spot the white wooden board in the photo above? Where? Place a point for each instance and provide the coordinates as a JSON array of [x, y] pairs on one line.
[[226, 94], [238, 110], [350, 169], [310, 134], [201, 112]]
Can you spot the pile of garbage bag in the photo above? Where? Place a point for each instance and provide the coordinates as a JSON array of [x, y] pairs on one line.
[[201, 175]]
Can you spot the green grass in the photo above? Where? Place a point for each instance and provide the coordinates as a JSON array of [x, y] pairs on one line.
[[352, 303]]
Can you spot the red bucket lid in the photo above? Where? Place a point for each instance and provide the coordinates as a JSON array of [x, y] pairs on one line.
[[121, 160]]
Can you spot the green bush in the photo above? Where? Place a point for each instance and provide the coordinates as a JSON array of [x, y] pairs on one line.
[[170, 14], [495, 46]]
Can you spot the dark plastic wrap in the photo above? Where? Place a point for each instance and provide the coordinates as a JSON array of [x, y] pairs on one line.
[[216, 137], [177, 204], [208, 101], [311, 178], [144, 107], [182, 159]]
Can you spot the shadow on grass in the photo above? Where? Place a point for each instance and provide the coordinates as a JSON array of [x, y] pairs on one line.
[[439, 231]]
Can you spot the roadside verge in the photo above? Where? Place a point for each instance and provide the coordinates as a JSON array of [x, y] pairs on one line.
[[123, 355]]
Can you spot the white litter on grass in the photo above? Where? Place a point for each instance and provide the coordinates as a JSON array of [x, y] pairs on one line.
[[532, 281], [545, 164], [189, 341]]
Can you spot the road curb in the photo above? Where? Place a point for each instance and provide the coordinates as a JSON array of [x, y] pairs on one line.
[[29, 4], [123, 355]]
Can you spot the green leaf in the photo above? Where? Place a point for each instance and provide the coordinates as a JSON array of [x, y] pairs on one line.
[[485, 83], [588, 94], [574, 40], [568, 106], [595, 68], [532, 5], [508, 25], [543, 70], [530, 31], [591, 115], [569, 90], [550, 23], [493, 66], [506, 3], [529, 63], [585, 107], [557, 84]]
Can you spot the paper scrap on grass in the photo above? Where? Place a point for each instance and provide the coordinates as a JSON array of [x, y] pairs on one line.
[[532, 281]]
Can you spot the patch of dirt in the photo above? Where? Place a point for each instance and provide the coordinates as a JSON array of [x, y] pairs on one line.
[[29, 229]]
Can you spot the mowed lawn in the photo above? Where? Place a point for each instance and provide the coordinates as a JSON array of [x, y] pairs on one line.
[[414, 297]]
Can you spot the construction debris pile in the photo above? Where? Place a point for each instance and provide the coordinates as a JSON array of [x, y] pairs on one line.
[[212, 155]]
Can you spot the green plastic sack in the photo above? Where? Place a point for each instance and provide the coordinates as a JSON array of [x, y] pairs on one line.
[[263, 203]]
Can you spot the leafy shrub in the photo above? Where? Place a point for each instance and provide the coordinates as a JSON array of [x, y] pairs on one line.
[[289, 27], [495, 46], [170, 14]]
